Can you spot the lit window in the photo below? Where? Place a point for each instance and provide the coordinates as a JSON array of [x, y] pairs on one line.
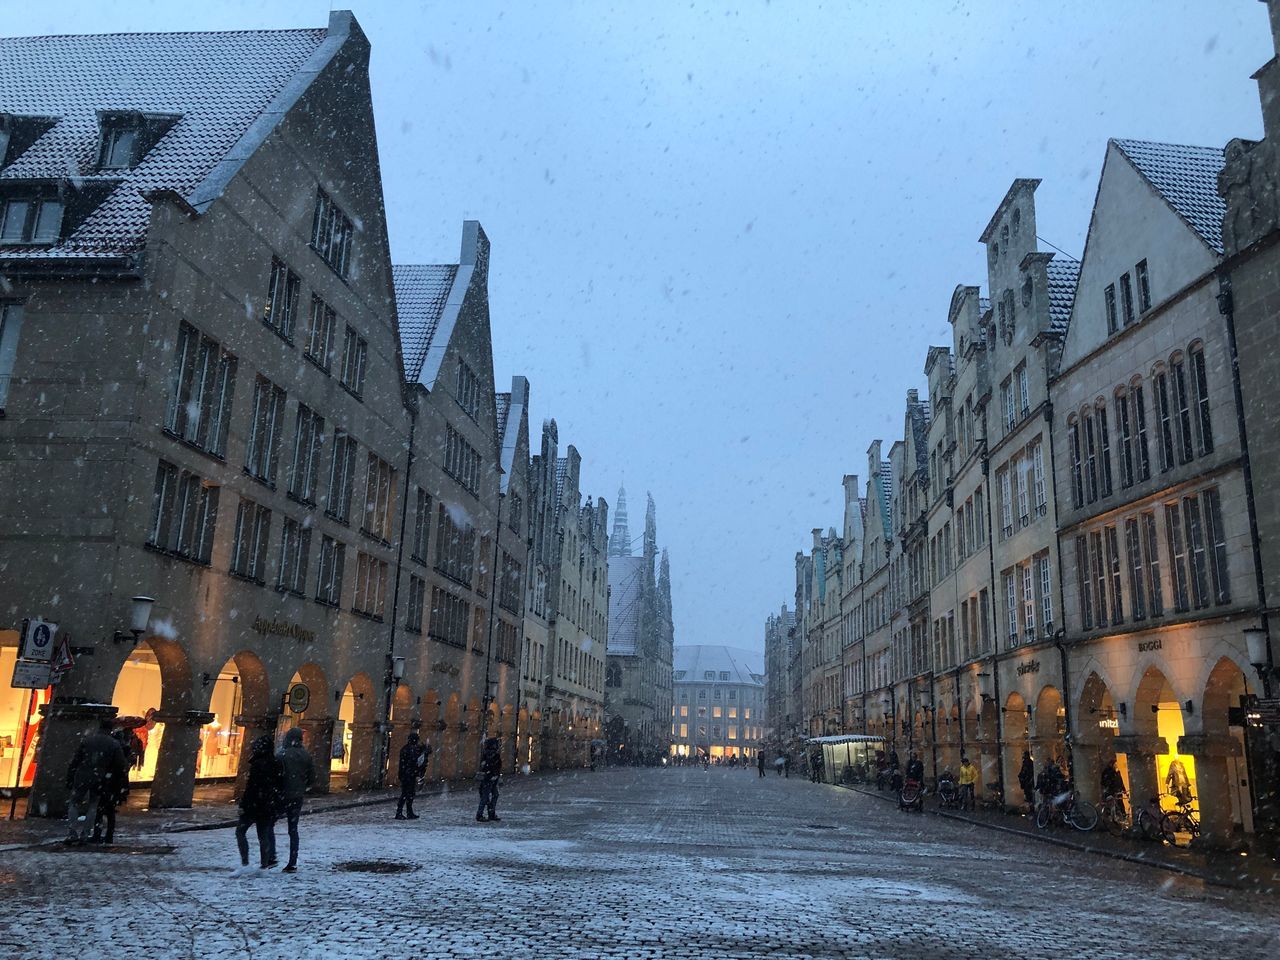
[[715, 712]]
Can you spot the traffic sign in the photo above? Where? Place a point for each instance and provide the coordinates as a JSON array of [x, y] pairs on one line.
[[38, 642], [63, 660], [30, 675]]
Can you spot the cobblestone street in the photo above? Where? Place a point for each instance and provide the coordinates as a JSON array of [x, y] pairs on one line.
[[624, 863]]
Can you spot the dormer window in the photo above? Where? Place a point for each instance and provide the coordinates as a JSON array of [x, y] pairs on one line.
[[4, 139], [18, 132], [126, 137], [30, 220], [119, 145]]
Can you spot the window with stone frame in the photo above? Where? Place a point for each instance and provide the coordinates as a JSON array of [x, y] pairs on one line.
[[1112, 537], [421, 526], [333, 554], [1113, 323], [1164, 420], [355, 357], [1098, 562], [1084, 584], [331, 234], [1142, 453], [1090, 457], [416, 605], [1200, 381], [1077, 463], [371, 586], [1137, 577], [1175, 536], [200, 395], [280, 312], [450, 618], [262, 452], [320, 333], [1104, 450], [1182, 409], [295, 549], [1125, 425], [342, 474], [455, 548], [304, 471], [1045, 577], [1144, 287], [1126, 299], [379, 497], [249, 545], [1151, 552], [184, 513]]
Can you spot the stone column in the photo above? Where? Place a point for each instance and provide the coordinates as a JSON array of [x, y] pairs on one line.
[[399, 736], [362, 767], [1088, 757], [1213, 785], [317, 737], [263, 725], [1141, 751], [62, 727], [175, 778]]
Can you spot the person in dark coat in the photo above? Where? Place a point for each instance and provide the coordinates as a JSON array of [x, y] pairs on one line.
[[261, 802], [413, 761], [115, 795], [915, 769], [1027, 780], [490, 773], [98, 769], [760, 761], [298, 773]]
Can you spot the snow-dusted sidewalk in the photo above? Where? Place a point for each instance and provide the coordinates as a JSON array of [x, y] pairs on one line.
[[620, 863]]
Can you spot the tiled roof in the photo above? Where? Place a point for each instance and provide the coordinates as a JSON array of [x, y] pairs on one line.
[[626, 586], [216, 85], [743, 666], [504, 407], [421, 293], [885, 481], [1062, 272], [1187, 178]]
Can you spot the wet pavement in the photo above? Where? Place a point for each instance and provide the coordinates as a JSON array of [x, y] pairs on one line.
[[624, 863]]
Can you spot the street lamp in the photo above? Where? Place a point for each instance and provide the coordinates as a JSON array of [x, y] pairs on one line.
[[1256, 641], [139, 617], [985, 688]]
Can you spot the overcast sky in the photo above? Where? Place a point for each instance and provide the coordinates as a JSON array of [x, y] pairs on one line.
[[724, 236]]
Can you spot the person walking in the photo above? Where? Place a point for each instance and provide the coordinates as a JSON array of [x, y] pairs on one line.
[[98, 769], [490, 772], [968, 782], [413, 761], [298, 774], [786, 765], [1027, 780], [260, 803], [760, 761], [104, 825]]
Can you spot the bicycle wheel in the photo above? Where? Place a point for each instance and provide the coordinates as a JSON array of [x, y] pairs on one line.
[[1115, 823], [1173, 823], [1083, 816], [1044, 812], [1148, 826]]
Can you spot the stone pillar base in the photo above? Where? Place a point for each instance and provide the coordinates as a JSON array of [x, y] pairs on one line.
[[175, 778], [62, 727]]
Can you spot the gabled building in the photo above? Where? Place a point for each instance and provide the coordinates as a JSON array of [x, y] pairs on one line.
[[203, 394], [1158, 571]]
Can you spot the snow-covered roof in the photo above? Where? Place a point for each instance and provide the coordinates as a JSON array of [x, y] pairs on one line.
[[626, 583], [1062, 272], [422, 290], [1187, 178], [692, 664], [216, 97]]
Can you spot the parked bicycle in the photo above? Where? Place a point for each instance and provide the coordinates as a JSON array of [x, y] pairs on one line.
[[1067, 808], [1181, 821], [1114, 814], [1145, 822]]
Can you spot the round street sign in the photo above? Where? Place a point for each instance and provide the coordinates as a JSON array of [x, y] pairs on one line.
[[299, 698]]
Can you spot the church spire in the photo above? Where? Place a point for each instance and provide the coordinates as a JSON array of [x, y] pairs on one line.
[[651, 532], [620, 542]]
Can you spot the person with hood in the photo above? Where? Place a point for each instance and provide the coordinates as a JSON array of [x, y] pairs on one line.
[[1027, 780], [260, 803], [113, 797], [298, 773], [490, 772], [413, 761], [98, 769]]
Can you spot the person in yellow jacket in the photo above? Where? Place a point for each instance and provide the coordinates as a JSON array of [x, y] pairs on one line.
[[968, 777]]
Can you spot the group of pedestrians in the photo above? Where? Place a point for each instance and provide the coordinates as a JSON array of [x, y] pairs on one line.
[[275, 786], [97, 783]]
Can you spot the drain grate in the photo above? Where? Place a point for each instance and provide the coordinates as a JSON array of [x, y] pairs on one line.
[[375, 866]]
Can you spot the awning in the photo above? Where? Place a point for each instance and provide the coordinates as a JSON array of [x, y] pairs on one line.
[[846, 738]]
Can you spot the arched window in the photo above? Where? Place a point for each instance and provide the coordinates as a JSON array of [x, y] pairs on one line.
[[1017, 220], [1181, 407], [1004, 236], [1124, 425], [1163, 415], [1090, 431], [1104, 446], [1138, 411], [1200, 386], [1077, 475], [613, 675]]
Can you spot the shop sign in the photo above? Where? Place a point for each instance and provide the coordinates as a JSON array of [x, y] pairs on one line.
[[30, 675], [1031, 666], [1266, 711], [1148, 645], [442, 667], [299, 698], [282, 628], [37, 644], [1108, 723]]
